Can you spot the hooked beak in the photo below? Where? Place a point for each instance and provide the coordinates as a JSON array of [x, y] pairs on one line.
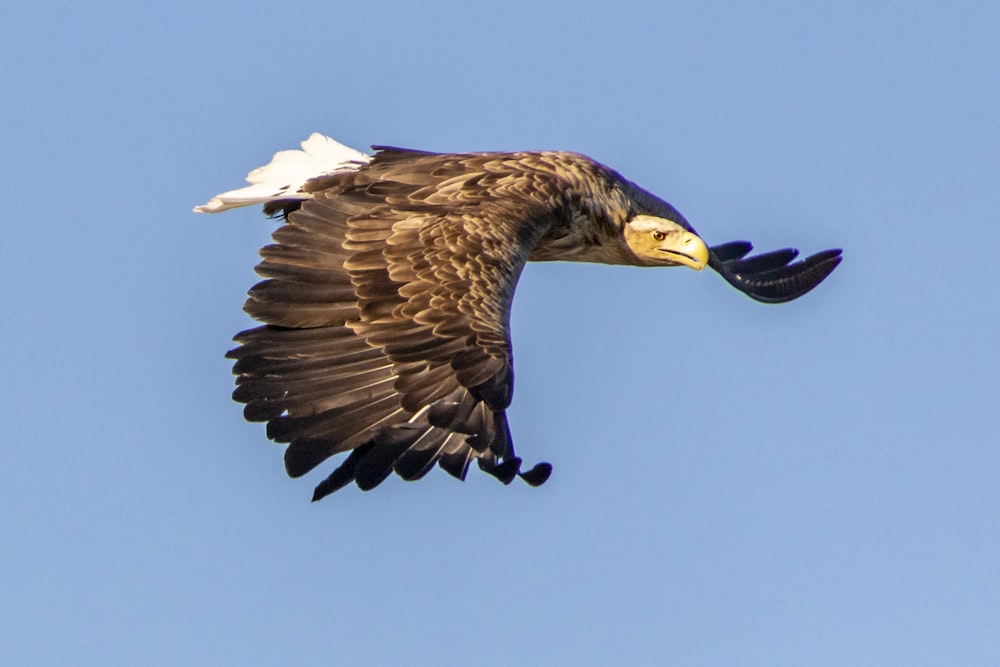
[[687, 249]]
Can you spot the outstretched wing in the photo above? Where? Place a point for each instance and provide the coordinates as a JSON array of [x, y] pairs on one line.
[[771, 277], [386, 302]]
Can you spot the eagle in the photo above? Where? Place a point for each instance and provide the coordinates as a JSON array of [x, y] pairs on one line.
[[386, 299]]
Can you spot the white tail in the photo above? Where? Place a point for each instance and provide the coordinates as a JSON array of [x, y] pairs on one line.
[[287, 172]]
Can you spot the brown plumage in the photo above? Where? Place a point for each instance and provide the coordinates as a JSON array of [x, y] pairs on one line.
[[388, 289]]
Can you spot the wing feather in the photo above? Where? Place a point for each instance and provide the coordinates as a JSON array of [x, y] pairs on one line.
[[772, 277], [386, 305]]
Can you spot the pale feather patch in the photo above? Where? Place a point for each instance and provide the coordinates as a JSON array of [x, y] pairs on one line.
[[287, 172], [649, 223]]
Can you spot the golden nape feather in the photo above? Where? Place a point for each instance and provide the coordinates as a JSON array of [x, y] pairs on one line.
[[385, 304]]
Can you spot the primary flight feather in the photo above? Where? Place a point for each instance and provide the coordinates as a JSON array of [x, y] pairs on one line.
[[387, 295]]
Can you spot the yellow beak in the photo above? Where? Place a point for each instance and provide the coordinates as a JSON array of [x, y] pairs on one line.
[[687, 249]]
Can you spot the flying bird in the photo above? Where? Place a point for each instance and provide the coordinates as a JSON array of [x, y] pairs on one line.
[[387, 294]]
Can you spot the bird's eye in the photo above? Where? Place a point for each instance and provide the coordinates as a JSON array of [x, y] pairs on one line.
[[658, 235]]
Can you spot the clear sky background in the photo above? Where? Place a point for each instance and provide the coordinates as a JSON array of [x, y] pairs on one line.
[[816, 483]]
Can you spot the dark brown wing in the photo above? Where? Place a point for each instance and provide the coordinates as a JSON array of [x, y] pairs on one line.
[[386, 305], [772, 277]]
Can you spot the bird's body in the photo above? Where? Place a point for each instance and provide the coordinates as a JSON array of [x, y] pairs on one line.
[[387, 295]]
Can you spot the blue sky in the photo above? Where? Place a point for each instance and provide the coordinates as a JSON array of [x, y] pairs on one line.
[[735, 484]]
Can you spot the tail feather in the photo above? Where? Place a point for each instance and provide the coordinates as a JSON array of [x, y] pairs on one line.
[[287, 173]]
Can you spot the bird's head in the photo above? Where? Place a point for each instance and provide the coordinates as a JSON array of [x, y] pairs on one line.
[[661, 242]]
